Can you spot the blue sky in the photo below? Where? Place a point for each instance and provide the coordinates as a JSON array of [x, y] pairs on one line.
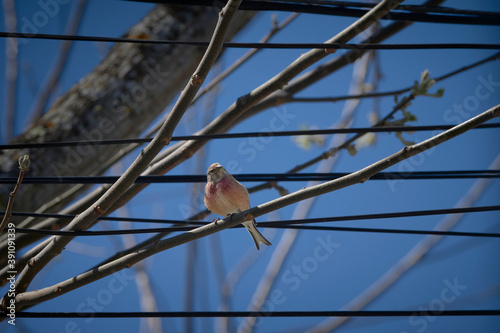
[[357, 259]]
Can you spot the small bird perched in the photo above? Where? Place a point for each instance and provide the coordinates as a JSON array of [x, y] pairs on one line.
[[224, 196]]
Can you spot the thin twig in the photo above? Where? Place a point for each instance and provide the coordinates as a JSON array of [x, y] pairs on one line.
[[53, 78], [221, 324], [11, 67], [26, 299], [87, 218], [404, 102], [235, 275], [346, 97], [29, 221], [413, 256], [495, 56], [24, 166], [324, 70], [197, 192], [272, 269], [289, 237], [189, 291], [345, 145], [275, 29], [147, 298]]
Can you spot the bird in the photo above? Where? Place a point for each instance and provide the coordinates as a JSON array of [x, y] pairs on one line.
[[225, 196]]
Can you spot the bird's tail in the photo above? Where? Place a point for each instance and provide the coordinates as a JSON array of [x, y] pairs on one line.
[[255, 233]]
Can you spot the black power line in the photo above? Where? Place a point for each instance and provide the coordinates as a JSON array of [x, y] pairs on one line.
[[265, 225], [210, 314], [382, 129], [477, 18], [411, 8], [290, 224], [274, 177], [331, 46], [367, 5], [430, 212]]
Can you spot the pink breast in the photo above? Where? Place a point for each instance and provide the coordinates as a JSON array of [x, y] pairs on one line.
[[220, 188], [212, 189], [224, 185]]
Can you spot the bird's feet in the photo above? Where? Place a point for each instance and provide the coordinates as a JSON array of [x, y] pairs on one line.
[[231, 216], [216, 220]]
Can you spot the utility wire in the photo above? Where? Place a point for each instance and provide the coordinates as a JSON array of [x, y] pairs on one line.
[[430, 212], [209, 314], [290, 224], [331, 46], [478, 18], [381, 129], [368, 5], [273, 177], [310, 220], [264, 225], [411, 8]]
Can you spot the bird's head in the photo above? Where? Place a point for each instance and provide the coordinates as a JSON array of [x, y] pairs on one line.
[[215, 173]]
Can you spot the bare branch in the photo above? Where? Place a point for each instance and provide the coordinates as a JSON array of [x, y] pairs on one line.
[[88, 217], [345, 145], [245, 57], [272, 269], [235, 275], [320, 72], [288, 238], [11, 68], [197, 190], [50, 84], [147, 297], [412, 257], [26, 299], [148, 300], [394, 92]]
